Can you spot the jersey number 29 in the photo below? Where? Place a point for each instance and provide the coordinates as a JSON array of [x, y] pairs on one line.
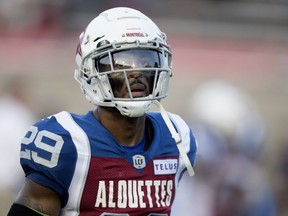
[[45, 142]]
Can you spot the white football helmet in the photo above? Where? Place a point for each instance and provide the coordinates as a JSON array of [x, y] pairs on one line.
[[117, 43]]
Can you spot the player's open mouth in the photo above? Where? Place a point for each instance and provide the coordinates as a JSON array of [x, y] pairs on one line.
[[138, 90]]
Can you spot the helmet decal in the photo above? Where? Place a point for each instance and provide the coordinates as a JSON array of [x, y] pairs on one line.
[[136, 34], [78, 49]]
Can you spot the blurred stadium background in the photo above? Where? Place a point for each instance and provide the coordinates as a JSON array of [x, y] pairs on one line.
[[240, 42]]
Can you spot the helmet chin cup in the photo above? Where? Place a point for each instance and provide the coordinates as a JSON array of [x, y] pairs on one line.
[[133, 108]]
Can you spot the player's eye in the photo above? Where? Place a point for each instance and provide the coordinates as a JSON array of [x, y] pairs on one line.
[[102, 63], [120, 66]]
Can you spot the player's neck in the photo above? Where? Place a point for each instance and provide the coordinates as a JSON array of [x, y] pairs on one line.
[[128, 131]]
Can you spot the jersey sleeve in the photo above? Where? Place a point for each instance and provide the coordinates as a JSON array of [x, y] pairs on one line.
[[48, 156]]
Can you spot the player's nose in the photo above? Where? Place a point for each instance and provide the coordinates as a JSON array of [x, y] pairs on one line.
[[135, 74]]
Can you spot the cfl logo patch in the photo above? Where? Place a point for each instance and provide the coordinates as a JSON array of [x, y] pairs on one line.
[[139, 161]]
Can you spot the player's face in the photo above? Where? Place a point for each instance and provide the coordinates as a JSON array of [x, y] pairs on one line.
[[132, 83]]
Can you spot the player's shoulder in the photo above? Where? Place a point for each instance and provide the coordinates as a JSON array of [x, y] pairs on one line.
[[175, 118], [56, 119], [55, 134], [56, 123], [51, 122]]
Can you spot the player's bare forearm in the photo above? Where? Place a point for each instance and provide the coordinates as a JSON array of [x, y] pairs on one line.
[[39, 198]]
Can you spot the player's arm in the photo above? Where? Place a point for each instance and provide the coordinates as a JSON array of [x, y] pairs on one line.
[[35, 200]]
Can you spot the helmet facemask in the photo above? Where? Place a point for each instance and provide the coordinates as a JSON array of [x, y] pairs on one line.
[[128, 76]]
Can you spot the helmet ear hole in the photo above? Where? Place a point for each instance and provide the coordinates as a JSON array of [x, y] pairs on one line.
[[88, 82]]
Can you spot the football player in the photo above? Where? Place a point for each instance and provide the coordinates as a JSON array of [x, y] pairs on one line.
[[119, 159]]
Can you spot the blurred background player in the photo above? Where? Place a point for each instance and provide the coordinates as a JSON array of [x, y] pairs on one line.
[[15, 118], [230, 177]]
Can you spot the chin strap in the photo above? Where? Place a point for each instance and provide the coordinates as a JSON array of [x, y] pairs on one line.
[[176, 137]]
